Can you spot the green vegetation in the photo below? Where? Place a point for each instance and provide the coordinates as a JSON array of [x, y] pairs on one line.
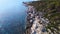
[[51, 8]]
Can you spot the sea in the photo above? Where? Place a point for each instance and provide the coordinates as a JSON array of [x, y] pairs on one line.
[[12, 16]]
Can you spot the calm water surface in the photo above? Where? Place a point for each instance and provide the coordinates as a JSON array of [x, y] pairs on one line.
[[12, 16]]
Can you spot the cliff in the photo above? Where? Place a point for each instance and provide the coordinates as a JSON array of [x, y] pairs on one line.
[[43, 17]]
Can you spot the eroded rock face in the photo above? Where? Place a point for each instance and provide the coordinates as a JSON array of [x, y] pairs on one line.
[[35, 23], [36, 27], [30, 19]]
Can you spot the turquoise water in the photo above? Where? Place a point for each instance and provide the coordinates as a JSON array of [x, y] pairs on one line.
[[12, 16]]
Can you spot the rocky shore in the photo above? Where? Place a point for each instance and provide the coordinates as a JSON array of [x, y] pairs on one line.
[[35, 22], [43, 13]]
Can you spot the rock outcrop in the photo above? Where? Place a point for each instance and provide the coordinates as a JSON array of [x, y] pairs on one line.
[[48, 16], [35, 22]]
